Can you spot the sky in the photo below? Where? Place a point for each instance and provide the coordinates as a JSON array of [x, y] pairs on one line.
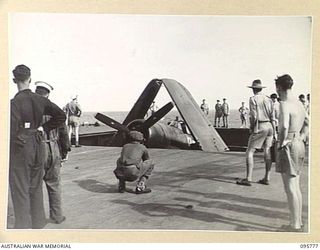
[[107, 60]]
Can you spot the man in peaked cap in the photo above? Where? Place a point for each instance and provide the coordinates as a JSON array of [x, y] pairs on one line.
[[218, 114], [134, 164], [57, 146], [262, 132], [226, 113], [27, 149]]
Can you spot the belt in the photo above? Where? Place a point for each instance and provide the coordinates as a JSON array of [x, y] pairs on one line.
[[29, 131], [263, 121]]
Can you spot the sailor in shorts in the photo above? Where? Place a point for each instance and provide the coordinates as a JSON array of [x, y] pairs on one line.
[[293, 131]]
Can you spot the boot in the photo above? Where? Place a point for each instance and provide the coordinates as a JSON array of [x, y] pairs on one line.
[[122, 186]]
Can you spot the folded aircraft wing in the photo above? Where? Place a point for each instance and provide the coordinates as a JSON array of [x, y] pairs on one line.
[[199, 125], [143, 103]]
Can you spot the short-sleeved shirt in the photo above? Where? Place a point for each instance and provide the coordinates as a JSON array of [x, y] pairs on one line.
[[73, 109], [276, 107], [133, 153], [204, 107], [261, 110], [225, 108]]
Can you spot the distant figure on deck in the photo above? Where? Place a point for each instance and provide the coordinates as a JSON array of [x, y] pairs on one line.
[[308, 104], [302, 99], [57, 146], [243, 115], [226, 112], [204, 107], [134, 164], [276, 107], [293, 130], [218, 114], [262, 132], [73, 112], [153, 108], [175, 122], [179, 124]]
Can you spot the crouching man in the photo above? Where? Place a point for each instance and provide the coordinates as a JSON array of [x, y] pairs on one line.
[[134, 164]]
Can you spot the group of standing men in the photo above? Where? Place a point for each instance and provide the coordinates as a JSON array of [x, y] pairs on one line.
[[288, 126], [283, 125], [38, 138], [221, 111], [39, 143]]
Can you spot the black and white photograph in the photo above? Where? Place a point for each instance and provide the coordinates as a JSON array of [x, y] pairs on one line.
[[128, 122]]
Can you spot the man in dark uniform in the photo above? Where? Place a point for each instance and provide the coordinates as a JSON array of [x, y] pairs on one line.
[[57, 145], [27, 150]]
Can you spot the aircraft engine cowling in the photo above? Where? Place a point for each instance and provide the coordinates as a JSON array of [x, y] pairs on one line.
[[164, 136]]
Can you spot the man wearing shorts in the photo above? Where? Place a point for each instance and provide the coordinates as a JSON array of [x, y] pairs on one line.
[[73, 112], [243, 110], [293, 131], [262, 132]]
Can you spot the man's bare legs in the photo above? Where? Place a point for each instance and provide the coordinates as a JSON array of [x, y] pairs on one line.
[[249, 163], [70, 133], [292, 189], [77, 136], [268, 162]]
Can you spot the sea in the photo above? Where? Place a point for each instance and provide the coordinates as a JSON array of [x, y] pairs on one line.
[[87, 120]]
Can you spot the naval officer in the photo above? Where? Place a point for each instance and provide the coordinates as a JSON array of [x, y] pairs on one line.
[[57, 144]]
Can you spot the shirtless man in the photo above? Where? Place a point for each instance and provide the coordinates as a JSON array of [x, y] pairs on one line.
[[243, 110], [293, 130]]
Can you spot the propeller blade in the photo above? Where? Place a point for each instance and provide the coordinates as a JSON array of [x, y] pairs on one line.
[[112, 123], [143, 103], [157, 115]]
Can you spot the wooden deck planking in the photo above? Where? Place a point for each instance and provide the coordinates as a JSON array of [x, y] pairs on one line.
[[181, 179]]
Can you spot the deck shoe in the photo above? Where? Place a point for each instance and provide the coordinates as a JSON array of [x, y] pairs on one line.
[[141, 185], [244, 182], [143, 191], [264, 182], [56, 221]]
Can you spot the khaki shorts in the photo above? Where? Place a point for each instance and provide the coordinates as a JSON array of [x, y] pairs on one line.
[[74, 121], [290, 158], [262, 139]]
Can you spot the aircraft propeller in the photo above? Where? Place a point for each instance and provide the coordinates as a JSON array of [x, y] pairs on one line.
[[139, 124], [112, 123]]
